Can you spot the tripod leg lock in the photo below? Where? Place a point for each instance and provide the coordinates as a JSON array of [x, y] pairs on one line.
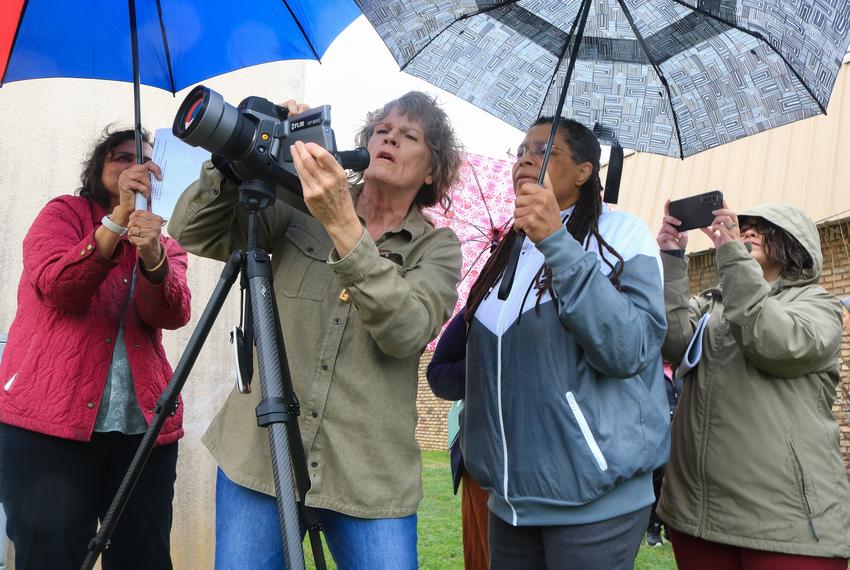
[[276, 410], [160, 405]]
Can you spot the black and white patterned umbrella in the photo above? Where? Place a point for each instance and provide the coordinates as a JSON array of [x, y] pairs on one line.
[[671, 77]]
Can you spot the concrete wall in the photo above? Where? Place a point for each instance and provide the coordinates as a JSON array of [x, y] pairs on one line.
[[46, 129]]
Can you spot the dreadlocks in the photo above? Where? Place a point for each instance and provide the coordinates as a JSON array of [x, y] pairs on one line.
[[584, 221]]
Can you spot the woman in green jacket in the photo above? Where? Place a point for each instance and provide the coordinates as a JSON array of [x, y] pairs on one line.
[[363, 284], [755, 478]]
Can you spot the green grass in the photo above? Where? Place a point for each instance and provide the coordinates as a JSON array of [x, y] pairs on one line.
[[440, 539], [657, 558]]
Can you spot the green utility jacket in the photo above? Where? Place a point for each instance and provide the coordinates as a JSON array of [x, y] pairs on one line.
[[755, 459], [354, 330]]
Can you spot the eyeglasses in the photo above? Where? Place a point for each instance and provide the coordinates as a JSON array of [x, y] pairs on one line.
[[758, 226], [536, 149]]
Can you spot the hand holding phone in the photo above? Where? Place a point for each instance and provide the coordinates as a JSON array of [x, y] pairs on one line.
[[669, 237]]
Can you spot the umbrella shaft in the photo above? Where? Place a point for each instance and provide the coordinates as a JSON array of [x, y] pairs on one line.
[[582, 15], [137, 107], [516, 247]]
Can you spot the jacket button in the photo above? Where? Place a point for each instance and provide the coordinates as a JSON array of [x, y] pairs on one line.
[[314, 464], [90, 405], [82, 252], [324, 366], [125, 280], [136, 345], [314, 414], [337, 321], [309, 249], [89, 247], [109, 340]]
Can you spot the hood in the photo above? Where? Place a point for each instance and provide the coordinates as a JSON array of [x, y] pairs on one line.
[[795, 222]]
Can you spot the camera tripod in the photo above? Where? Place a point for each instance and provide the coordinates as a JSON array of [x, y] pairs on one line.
[[278, 409]]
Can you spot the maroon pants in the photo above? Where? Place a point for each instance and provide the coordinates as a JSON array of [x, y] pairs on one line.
[[476, 553], [697, 554]]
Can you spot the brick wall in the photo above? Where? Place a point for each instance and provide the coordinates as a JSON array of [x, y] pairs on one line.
[[836, 277], [432, 429], [431, 432]]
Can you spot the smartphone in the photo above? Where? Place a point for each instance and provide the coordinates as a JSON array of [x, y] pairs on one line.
[[695, 211]]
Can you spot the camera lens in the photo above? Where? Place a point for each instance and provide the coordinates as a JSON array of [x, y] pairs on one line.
[[192, 112], [206, 120]]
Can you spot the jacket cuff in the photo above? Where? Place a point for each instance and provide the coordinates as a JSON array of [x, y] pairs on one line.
[[730, 253], [354, 266], [143, 280], [674, 267], [88, 251], [560, 249]]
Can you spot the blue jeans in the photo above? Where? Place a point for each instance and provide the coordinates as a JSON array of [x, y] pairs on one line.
[[247, 534]]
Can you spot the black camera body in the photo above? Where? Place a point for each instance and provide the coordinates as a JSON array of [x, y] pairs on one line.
[[251, 142]]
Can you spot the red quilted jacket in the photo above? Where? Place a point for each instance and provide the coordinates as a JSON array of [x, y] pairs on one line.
[[70, 301]]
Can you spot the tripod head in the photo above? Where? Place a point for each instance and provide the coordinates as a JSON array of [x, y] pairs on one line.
[[256, 194]]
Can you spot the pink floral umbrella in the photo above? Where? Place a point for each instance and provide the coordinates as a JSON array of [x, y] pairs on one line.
[[482, 208]]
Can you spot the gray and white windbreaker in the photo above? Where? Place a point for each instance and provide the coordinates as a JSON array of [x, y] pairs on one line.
[[566, 405]]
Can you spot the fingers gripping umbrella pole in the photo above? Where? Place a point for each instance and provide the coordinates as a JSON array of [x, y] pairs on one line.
[[141, 201], [516, 247]]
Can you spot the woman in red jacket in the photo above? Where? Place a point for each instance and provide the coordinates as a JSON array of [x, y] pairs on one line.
[[84, 367]]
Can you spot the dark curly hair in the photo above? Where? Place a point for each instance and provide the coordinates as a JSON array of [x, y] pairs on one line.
[[90, 179], [446, 150], [780, 247]]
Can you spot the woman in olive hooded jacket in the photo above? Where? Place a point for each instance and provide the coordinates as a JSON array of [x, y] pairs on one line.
[[755, 474]]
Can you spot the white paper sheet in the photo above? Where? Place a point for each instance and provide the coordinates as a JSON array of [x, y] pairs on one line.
[[694, 351], [180, 165]]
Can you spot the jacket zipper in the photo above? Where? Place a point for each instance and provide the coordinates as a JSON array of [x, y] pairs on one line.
[[710, 372], [585, 431], [803, 492], [501, 414]]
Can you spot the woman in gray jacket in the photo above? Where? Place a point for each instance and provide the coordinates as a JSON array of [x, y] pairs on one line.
[[565, 412], [755, 478]]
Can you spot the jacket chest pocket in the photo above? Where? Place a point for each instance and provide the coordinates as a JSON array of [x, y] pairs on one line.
[[304, 271]]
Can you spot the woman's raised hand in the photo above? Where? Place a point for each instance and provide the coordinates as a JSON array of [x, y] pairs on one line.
[[136, 179], [324, 185], [294, 107], [537, 212], [143, 231], [669, 237], [725, 227]]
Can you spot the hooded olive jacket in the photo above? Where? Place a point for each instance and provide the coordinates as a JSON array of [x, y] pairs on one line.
[[755, 458], [354, 330]]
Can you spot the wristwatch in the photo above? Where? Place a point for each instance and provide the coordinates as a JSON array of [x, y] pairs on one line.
[[112, 226]]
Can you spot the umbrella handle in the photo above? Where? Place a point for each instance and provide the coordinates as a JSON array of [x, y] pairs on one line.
[[510, 268], [141, 202]]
